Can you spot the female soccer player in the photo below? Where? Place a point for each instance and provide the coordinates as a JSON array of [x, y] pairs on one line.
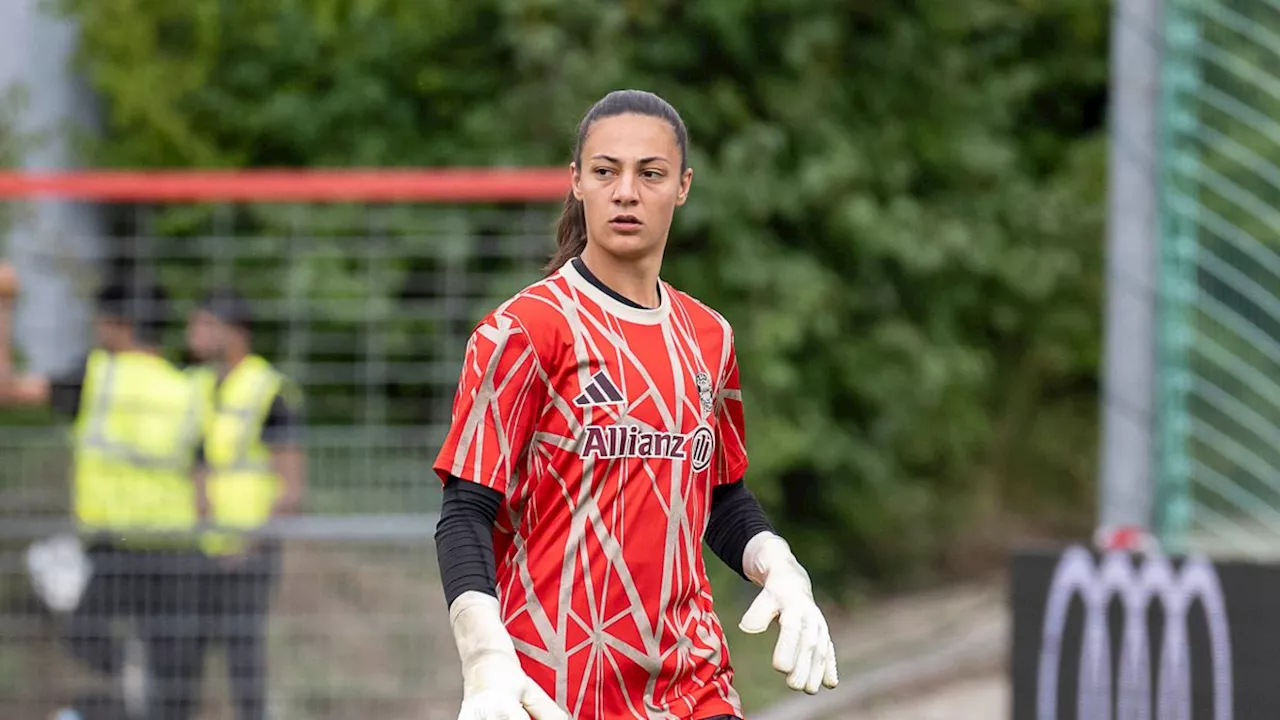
[[597, 441]]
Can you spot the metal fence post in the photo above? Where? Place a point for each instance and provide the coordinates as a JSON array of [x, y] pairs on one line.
[[1179, 242], [1126, 482]]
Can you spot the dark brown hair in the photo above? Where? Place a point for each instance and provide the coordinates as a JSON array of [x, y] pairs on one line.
[[138, 302], [571, 229]]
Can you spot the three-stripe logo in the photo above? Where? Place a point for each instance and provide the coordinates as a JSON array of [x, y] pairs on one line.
[[600, 391]]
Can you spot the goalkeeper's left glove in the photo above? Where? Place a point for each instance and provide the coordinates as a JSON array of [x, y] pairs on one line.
[[804, 651]]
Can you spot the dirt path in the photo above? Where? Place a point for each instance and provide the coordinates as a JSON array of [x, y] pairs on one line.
[[935, 655], [981, 698]]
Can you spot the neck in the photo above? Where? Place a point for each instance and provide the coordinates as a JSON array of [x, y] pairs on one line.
[[232, 358], [637, 281], [138, 348]]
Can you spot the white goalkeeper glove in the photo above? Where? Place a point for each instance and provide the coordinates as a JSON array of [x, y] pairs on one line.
[[804, 652], [494, 687]]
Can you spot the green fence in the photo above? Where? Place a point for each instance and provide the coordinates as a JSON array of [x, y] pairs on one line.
[[1218, 412]]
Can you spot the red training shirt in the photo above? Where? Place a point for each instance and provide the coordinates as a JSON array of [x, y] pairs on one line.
[[605, 426]]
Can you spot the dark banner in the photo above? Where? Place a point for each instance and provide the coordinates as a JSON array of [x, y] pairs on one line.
[[1130, 637]]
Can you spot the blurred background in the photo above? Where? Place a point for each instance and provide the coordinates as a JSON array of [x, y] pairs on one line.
[[913, 213]]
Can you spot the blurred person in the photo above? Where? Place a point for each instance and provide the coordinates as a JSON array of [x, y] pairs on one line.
[[137, 425], [254, 469], [597, 441]]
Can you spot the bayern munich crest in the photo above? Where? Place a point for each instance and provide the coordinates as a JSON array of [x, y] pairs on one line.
[[703, 382]]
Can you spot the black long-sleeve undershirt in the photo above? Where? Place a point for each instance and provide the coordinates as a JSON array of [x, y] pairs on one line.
[[464, 538], [464, 534], [736, 517]]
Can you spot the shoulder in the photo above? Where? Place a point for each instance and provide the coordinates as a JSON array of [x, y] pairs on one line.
[[713, 331], [283, 390], [697, 314], [202, 375], [287, 390], [535, 316], [176, 372], [95, 362], [159, 374]]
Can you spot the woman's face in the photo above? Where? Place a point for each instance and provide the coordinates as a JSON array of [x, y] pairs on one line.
[[630, 184]]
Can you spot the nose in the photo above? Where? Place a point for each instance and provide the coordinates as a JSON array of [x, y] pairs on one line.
[[624, 191]]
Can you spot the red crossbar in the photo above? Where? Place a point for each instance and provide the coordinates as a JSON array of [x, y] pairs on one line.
[[368, 185]]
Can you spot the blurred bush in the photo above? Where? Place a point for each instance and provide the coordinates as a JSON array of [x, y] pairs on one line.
[[897, 203]]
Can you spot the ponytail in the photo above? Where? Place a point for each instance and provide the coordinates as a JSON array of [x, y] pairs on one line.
[[571, 233]]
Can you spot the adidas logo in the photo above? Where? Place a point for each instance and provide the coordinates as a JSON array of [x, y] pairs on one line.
[[600, 391]]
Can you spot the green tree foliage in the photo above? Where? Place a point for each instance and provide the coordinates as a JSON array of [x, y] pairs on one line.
[[897, 204]]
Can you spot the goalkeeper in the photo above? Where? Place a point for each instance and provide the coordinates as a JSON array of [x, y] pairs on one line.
[[597, 441]]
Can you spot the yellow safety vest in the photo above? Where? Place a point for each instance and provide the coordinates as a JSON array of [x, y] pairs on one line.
[[242, 486], [136, 434]]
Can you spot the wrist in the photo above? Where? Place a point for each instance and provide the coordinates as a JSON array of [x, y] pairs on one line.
[[485, 648], [490, 670], [768, 556]]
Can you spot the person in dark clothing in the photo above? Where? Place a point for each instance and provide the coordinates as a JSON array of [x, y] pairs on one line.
[[254, 468]]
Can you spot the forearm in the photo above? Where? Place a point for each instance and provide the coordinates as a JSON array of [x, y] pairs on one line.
[[200, 487], [25, 390], [464, 549], [736, 517], [290, 464], [16, 389], [464, 539], [6, 340]]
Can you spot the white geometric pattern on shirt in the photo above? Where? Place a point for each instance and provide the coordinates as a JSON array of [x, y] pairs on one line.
[[587, 516]]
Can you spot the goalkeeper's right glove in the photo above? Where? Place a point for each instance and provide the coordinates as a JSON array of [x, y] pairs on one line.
[[494, 686]]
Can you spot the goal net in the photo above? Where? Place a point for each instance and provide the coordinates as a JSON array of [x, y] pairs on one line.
[[364, 287]]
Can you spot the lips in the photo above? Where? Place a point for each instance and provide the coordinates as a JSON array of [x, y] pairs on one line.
[[625, 223]]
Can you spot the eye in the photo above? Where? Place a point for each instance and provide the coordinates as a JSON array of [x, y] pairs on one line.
[[603, 172], [651, 174]]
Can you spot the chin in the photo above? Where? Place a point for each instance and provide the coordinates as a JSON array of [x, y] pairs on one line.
[[630, 247]]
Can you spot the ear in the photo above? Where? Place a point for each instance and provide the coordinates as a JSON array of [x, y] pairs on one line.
[[575, 180], [686, 181]]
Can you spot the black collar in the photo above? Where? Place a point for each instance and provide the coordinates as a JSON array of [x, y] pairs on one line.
[[590, 277]]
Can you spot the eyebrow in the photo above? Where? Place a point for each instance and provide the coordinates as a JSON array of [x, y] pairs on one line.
[[643, 160]]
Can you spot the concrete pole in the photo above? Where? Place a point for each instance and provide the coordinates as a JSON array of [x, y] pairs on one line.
[[1127, 478], [55, 244]]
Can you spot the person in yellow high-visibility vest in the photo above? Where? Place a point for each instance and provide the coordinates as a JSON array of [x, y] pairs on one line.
[[254, 471], [135, 497]]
